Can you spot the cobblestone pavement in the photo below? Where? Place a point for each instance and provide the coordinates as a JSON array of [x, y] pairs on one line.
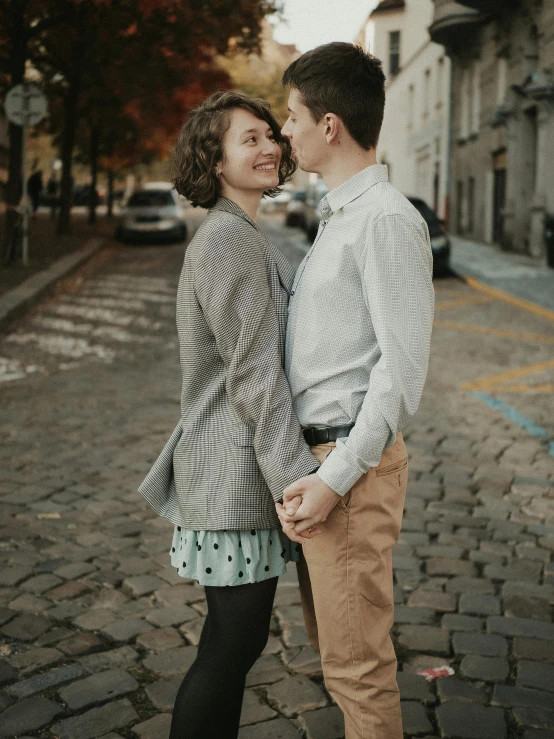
[[97, 629]]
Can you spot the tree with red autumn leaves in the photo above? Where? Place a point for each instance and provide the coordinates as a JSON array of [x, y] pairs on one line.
[[124, 71]]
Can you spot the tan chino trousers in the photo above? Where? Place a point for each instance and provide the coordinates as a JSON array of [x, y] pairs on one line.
[[346, 587]]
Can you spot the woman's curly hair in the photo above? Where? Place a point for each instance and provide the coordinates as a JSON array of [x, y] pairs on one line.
[[200, 146]]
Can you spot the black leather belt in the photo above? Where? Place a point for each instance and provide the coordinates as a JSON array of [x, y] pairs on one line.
[[315, 436]]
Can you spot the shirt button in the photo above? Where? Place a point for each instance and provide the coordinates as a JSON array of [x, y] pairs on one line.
[[292, 293]]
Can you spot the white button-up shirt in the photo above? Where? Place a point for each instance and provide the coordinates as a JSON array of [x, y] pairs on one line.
[[360, 320]]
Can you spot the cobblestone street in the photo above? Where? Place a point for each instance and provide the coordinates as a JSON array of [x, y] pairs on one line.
[[97, 630]]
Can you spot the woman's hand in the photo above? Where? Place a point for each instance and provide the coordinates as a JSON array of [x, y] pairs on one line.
[[292, 506]]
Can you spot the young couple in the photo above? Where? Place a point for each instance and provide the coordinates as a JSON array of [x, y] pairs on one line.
[[294, 392]]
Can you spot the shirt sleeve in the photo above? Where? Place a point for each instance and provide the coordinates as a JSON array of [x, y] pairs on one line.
[[400, 298], [232, 287]]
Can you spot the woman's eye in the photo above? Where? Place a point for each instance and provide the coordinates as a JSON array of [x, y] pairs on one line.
[[252, 138]]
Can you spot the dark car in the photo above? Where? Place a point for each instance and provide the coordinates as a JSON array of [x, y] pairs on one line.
[[82, 194], [296, 210], [314, 192], [440, 241]]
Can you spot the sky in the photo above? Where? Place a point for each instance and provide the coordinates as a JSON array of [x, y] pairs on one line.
[[309, 23]]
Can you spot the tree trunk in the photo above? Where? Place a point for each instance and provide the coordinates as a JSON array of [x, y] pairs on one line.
[[110, 193], [71, 101], [94, 136], [68, 142], [14, 189]]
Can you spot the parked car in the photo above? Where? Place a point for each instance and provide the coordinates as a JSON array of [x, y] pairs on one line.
[[440, 241], [82, 193], [296, 210], [152, 214], [279, 202], [314, 192]]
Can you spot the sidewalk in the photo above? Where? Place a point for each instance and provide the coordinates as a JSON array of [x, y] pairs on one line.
[[51, 257], [516, 274], [46, 246]]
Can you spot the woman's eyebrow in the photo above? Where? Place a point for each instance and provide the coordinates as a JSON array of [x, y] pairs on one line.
[[255, 130]]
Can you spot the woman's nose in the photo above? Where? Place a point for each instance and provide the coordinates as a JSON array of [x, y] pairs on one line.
[[271, 149]]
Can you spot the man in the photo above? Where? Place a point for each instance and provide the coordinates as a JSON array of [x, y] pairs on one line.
[[357, 350], [34, 189]]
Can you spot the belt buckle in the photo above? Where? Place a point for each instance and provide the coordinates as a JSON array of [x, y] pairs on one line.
[[320, 434]]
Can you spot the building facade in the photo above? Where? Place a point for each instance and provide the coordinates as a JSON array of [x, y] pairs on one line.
[[414, 137], [502, 133]]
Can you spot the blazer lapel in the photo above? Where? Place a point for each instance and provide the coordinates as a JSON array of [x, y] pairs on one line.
[[285, 269]]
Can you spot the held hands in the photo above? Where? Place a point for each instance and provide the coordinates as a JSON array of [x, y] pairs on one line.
[[306, 503]]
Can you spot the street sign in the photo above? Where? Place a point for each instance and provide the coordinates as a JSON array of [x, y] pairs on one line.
[[25, 105]]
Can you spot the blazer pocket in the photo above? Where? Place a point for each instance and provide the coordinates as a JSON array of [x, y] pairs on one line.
[[390, 468], [242, 437]]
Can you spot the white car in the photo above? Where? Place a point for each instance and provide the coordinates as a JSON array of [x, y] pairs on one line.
[[153, 213]]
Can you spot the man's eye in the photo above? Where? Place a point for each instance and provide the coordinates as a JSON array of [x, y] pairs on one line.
[[252, 138]]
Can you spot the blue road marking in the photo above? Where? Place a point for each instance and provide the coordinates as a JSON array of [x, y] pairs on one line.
[[516, 417]]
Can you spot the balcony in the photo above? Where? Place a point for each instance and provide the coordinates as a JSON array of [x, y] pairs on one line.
[[489, 6], [450, 18]]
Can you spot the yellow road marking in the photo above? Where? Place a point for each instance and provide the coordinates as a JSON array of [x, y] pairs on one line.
[[461, 302], [494, 332], [488, 383], [507, 298]]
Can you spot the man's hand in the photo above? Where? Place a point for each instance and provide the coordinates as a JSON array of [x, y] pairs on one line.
[[288, 527], [318, 500]]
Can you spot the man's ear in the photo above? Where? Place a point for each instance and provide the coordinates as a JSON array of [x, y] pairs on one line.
[[332, 125]]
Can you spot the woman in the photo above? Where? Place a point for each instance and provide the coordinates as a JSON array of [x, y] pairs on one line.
[[238, 443]]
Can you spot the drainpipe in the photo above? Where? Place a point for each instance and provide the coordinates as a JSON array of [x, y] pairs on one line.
[[448, 147]]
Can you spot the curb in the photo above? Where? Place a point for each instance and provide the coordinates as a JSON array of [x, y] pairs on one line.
[[506, 297], [16, 301]]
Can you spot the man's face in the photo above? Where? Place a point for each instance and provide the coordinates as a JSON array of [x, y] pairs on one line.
[[307, 138]]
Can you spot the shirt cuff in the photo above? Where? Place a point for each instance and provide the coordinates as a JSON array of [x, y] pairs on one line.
[[338, 473]]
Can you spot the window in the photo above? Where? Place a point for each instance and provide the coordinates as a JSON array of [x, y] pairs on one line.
[[459, 206], [440, 82], [470, 203], [501, 79], [426, 93], [394, 52], [465, 102], [475, 97], [411, 102], [436, 186]]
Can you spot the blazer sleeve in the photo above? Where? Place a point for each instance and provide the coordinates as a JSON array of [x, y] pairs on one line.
[[231, 285]]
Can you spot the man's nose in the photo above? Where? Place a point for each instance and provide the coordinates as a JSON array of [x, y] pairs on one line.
[[285, 130]]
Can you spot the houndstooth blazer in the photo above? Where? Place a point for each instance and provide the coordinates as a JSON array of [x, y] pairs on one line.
[[238, 443]]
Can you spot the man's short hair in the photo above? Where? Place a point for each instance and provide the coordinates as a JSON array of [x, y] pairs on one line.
[[342, 78]]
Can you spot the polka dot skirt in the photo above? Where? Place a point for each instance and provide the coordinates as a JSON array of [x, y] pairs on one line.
[[232, 557]]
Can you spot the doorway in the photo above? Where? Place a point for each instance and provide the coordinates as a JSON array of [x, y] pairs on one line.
[[499, 196]]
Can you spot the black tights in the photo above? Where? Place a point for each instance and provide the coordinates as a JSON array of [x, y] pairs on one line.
[[235, 632]]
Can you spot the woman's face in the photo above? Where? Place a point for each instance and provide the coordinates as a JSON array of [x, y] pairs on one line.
[[251, 156]]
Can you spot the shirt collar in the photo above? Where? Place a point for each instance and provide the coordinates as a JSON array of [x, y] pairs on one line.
[[352, 188], [230, 207]]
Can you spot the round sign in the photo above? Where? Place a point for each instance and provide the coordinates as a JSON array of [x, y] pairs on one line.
[[25, 105]]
